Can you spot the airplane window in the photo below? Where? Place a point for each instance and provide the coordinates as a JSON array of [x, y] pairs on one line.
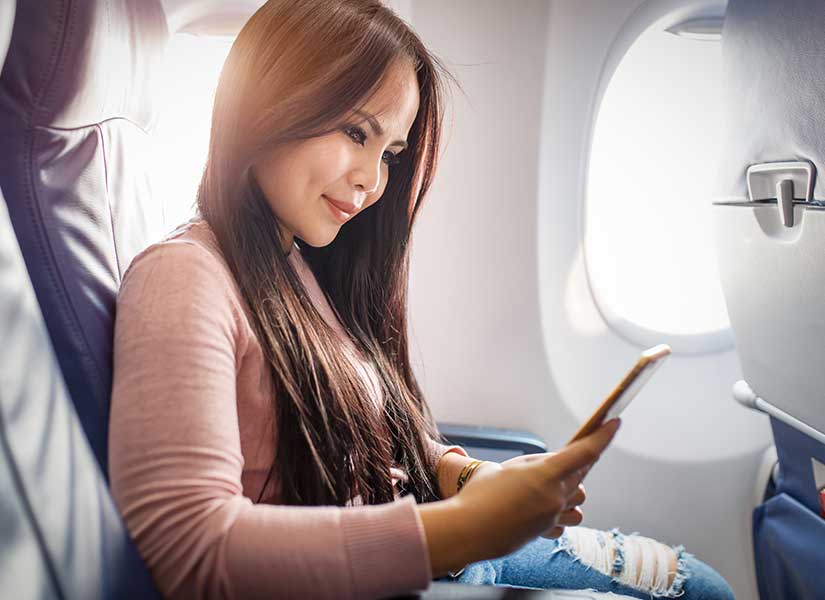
[[648, 229], [180, 140]]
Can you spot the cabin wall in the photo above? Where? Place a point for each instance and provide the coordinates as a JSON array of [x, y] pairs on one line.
[[496, 283]]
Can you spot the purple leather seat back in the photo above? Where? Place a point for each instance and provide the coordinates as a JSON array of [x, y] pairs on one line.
[[75, 112], [62, 535]]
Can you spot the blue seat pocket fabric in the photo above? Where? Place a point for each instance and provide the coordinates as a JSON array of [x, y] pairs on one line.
[[789, 548]]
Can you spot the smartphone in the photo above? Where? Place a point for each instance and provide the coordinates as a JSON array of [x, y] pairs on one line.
[[650, 360]]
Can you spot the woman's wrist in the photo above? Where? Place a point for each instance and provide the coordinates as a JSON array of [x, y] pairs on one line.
[[449, 536], [449, 468], [474, 472], [466, 473]]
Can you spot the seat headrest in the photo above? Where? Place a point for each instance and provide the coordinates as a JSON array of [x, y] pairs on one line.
[[773, 56], [72, 64]]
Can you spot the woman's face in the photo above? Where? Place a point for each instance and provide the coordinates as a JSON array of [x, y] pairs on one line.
[[349, 166]]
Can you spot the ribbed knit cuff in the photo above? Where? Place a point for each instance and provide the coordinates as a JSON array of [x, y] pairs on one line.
[[438, 450], [387, 549]]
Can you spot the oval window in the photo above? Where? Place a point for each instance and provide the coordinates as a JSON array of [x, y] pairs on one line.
[[648, 232]]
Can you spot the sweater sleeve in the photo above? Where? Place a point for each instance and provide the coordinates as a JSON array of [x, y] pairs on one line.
[[175, 457], [437, 450]]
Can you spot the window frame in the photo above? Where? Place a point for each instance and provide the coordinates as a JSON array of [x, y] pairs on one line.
[[662, 15]]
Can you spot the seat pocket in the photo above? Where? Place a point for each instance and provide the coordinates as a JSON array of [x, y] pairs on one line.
[[789, 550]]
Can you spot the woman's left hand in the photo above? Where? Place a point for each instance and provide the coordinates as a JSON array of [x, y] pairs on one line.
[[570, 517]]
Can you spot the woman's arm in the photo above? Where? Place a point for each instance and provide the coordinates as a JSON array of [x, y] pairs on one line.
[[175, 457], [450, 466]]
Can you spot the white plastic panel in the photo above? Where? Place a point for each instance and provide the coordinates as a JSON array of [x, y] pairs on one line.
[[774, 283]]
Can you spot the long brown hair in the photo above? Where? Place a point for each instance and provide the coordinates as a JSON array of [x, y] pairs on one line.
[[297, 68]]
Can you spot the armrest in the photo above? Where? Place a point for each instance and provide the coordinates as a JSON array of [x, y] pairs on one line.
[[492, 443]]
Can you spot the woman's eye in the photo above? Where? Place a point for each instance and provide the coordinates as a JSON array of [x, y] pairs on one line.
[[391, 159], [359, 137], [357, 134]]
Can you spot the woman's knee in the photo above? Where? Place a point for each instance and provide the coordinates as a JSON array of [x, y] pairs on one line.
[[632, 560], [644, 564]]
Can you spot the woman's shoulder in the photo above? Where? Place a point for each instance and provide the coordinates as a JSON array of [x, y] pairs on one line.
[[182, 280], [189, 245], [184, 263]]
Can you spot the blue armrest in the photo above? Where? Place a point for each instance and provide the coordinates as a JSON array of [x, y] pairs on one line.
[[491, 443]]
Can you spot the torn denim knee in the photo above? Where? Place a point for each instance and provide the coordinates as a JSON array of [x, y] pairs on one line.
[[634, 560]]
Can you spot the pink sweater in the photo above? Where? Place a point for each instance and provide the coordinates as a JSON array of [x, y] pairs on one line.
[[190, 443]]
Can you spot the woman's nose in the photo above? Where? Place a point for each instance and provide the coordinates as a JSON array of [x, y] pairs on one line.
[[366, 175]]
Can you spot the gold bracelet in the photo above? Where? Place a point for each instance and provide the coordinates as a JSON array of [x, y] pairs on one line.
[[466, 473]]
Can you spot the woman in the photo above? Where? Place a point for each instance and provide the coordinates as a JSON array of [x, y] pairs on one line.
[[268, 437]]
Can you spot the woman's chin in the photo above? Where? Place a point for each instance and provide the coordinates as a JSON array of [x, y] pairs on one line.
[[322, 238]]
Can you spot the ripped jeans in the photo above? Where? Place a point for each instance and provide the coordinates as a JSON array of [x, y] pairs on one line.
[[604, 561]]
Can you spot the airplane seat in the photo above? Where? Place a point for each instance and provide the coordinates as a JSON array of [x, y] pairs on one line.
[[62, 535], [75, 109], [769, 221]]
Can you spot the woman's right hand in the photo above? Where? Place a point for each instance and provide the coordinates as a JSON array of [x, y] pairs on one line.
[[505, 509]]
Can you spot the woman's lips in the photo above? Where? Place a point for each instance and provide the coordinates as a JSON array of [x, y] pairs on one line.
[[341, 215]]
